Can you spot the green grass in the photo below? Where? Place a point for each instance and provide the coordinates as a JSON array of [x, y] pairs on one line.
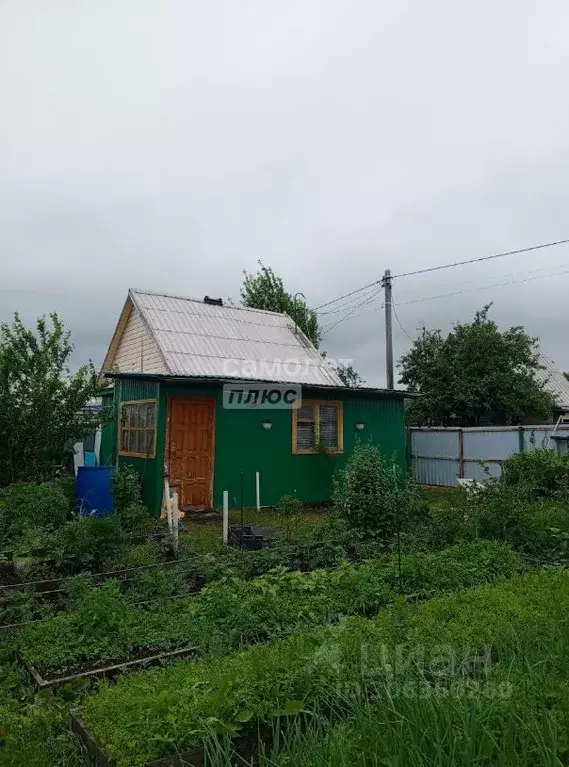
[[206, 536]]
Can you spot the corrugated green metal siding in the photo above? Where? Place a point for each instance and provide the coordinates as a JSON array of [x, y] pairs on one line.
[[243, 446], [131, 389]]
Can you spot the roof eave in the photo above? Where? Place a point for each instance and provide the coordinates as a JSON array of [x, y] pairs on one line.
[[361, 391]]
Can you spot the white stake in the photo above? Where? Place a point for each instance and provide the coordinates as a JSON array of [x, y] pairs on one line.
[[176, 521], [258, 490], [226, 517], [168, 504]]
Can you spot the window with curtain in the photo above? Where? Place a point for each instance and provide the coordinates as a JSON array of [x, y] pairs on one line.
[[317, 425], [138, 429]]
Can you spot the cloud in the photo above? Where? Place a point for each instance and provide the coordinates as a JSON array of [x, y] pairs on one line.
[[168, 146]]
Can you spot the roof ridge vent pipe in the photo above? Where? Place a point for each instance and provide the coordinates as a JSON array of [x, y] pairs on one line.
[[213, 301]]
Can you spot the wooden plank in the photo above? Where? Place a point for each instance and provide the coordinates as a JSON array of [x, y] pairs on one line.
[[149, 660], [95, 752]]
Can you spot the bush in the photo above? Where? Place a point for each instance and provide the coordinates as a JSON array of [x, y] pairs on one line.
[[504, 513], [289, 510], [541, 472], [87, 543], [136, 520], [26, 506], [371, 493], [439, 527], [148, 553], [126, 488]]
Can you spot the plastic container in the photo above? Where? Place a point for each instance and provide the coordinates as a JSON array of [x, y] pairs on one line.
[[93, 491]]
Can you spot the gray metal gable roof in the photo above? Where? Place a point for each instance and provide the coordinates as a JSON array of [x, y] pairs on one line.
[[554, 382], [198, 339]]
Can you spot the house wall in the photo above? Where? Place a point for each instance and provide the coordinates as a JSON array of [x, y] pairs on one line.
[[137, 349], [243, 447], [151, 470]]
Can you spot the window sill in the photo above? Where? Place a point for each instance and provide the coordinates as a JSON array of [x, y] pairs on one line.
[[317, 452], [136, 455]]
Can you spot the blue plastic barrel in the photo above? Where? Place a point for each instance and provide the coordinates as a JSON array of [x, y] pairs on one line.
[[93, 491]]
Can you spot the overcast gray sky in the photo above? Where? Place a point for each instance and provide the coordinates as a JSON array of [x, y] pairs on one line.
[[169, 144]]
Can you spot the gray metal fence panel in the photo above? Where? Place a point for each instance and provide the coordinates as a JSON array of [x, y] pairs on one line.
[[435, 456], [434, 471], [440, 456]]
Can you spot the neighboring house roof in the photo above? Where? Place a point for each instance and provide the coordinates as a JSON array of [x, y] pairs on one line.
[[554, 382], [172, 335]]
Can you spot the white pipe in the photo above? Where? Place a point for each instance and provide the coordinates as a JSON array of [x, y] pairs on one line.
[[258, 490], [226, 517]]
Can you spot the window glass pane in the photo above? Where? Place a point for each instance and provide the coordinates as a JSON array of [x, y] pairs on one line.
[[142, 411], [329, 426], [133, 441], [151, 414], [148, 442], [124, 440], [306, 413], [305, 435], [125, 415]]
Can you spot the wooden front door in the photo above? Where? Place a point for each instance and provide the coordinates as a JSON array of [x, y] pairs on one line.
[[191, 434]]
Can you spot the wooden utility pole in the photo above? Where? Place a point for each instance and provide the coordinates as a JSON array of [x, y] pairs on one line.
[[386, 283]]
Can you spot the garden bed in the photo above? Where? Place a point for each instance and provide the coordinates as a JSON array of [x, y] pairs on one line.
[[501, 625], [193, 758], [226, 616]]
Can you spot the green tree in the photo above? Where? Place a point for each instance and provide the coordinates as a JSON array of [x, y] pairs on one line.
[[349, 375], [475, 371], [41, 400], [264, 290]]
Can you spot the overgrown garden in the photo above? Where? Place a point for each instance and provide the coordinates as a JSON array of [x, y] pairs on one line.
[[408, 624]]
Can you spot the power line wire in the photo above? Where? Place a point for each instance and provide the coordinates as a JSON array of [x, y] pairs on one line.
[[346, 305], [483, 258], [482, 287], [488, 278], [459, 293], [399, 321], [366, 301], [347, 295], [445, 266]]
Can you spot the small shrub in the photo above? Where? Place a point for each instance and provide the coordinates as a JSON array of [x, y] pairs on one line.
[[542, 472], [371, 493], [126, 488], [289, 510], [27, 505], [148, 553], [135, 519], [439, 526], [77, 589], [505, 513], [87, 543]]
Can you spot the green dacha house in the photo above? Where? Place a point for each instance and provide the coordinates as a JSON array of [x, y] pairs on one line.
[[203, 393]]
